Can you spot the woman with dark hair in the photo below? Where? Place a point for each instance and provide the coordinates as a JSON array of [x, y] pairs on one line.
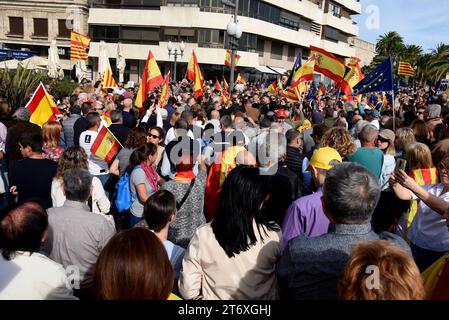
[[156, 136], [234, 256], [136, 138], [144, 180], [133, 266]]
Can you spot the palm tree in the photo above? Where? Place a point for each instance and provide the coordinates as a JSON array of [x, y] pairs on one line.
[[411, 53], [390, 44]]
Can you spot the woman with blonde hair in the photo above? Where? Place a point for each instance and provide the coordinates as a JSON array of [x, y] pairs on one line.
[[75, 158], [51, 132], [339, 139], [404, 137], [395, 275], [385, 143]]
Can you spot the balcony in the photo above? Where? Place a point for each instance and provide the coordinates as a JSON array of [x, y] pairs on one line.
[[353, 5], [343, 24]]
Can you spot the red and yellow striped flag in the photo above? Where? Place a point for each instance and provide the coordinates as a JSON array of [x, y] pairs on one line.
[[107, 80], [225, 84], [105, 146], [406, 69], [272, 88], [228, 59], [79, 43], [42, 107], [151, 78], [304, 73], [164, 93], [106, 117]]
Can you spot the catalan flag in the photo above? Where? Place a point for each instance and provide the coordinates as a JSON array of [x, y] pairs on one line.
[[191, 67], [79, 43], [228, 59], [329, 65], [272, 88], [164, 94], [151, 78], [42, 107], [406, 69], [107, 80], [296, 66], [105, 146]]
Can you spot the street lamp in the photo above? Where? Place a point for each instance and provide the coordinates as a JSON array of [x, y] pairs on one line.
[[234, 32], [175, 54]]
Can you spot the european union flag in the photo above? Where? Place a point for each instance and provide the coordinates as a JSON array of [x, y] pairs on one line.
[[296, 66], [381, 79]]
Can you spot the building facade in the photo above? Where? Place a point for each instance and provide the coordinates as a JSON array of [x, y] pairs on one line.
[[364, 50], [27, 27], [274, 31]]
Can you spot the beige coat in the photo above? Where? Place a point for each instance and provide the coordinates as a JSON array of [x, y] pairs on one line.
[[208, 273]]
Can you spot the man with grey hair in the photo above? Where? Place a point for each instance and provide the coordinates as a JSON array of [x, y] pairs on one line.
[[23, 125], [281, 181], [369, 155], [433, 119], [76, 236], [129, 117], [310, 267], [117, 128]]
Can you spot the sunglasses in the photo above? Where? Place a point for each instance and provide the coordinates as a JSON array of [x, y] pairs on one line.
[[383, 140], [153, 136], [419, 112]]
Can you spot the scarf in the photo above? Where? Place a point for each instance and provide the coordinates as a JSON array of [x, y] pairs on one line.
[[184, 176], [152, 175]]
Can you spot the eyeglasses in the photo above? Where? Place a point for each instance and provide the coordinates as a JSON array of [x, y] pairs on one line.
[[153, 136], [419, 112], [443, 167]]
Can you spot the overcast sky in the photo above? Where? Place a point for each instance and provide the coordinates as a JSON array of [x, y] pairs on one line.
[[421, 22]]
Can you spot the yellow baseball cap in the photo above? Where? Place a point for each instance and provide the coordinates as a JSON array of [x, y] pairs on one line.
[[322, 158]]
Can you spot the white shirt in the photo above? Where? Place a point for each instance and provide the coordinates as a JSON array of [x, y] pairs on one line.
[[429, 230], [171, 135], [33, 277], [375, 123], [97, 166]]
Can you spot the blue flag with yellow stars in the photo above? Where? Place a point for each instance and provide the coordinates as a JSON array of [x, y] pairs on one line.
[[381, 79]]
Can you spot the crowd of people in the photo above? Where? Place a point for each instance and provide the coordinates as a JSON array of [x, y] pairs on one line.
[[249, 196]]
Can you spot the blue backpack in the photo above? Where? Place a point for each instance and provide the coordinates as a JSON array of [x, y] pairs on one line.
[[124, 199]]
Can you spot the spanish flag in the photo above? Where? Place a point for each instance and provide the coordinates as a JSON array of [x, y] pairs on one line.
[[191, 67], [228, 59], [79, 44], [406, 69], [105, 146], [447, 75], [354, 76], [42, 107], [304, 73], [107, 80], [199, 85], [321, 91], [329, 65], [164, 93], [225, 84], [217, 85], [240, 80], [106, 118], [280, 86], [151, 78]]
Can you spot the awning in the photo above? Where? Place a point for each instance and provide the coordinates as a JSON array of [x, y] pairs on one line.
[[264, 69], [280, 71]]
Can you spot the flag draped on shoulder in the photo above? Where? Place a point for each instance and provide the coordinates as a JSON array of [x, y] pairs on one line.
[[151, 78], [79, 43], [107, 80], [105, 146], [406, 69], [381, 79], [229, 57], [164, 93], [42, 107]]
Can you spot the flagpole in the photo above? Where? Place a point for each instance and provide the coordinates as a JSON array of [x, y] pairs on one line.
[[392, 94], [114, 136]]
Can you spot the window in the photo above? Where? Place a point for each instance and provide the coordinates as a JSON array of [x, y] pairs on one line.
[[211, 38], [63, 32], [335, 10], [248, 42], [16, 26], [276, 50], [140, 35], [260, 47], [291, 53], [105, 33], [332, 34], [40, 27]]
